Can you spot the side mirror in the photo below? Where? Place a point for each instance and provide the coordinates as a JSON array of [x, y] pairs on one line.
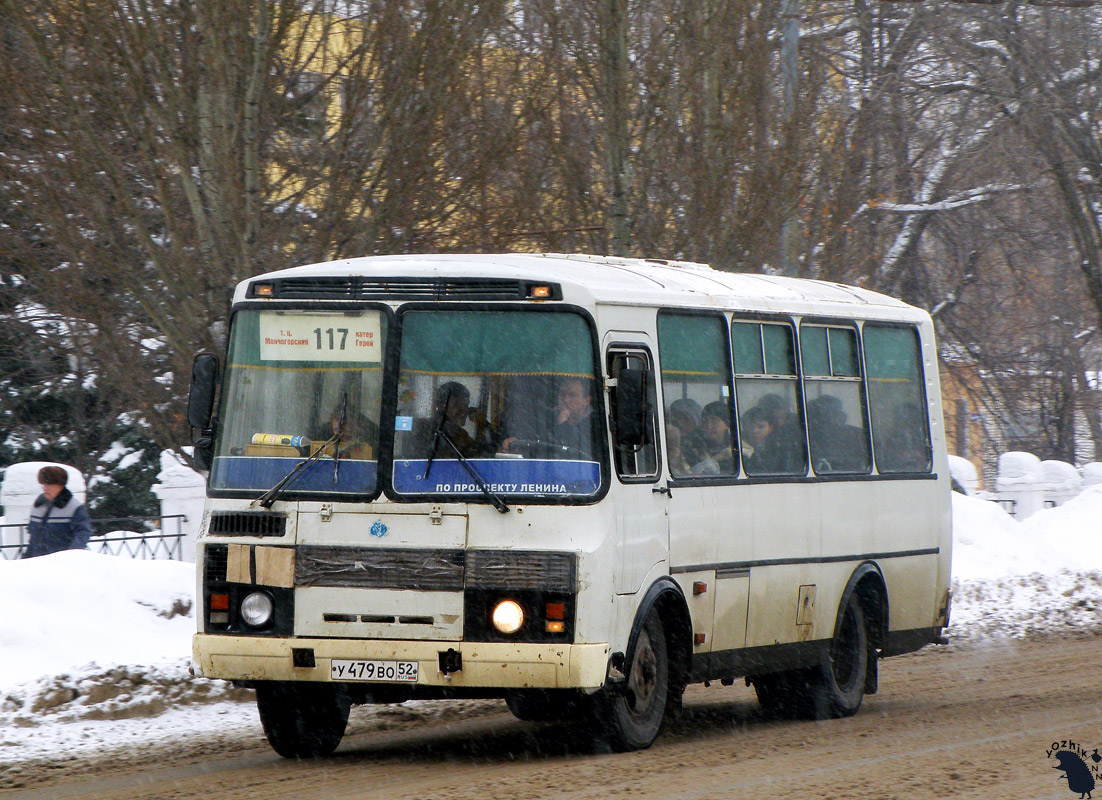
[[631, 407], [200, 402]]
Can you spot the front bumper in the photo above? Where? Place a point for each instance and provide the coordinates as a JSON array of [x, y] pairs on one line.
[[486, 665]]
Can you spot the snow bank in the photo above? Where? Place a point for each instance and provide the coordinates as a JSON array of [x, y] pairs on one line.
[[988, 543], [1071, 532], [76, 606], [1017, 470], [1092, 474]]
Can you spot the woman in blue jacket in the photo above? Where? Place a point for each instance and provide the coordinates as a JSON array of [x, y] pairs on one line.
[[58, 520]]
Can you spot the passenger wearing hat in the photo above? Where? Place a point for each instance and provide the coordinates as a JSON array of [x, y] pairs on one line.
[[58, 520], [715, 424]]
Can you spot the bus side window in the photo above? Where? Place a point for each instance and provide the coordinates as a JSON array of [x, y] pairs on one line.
[[836, 425], [635, 460], [768, 391], [701, 437], [897, 399]]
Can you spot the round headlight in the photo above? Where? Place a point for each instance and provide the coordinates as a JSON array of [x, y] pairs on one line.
[[256, 609], [508, 616]]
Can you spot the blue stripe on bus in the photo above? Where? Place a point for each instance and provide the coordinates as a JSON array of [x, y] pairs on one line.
[[502, 476], [261, 473]]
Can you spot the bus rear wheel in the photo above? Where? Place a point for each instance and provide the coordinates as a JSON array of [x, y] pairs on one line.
[[303, 720], [632, 717], [834, 688], [840, 682]]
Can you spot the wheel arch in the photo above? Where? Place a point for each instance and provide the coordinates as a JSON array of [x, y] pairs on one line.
[[868, 586], [665, 598]]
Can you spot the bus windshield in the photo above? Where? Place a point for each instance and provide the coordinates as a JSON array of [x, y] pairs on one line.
[[299, 382], [511, 392]]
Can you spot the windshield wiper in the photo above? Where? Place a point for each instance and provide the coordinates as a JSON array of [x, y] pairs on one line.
[[337, 435], [494, 498], [439, 431], [265, 500]]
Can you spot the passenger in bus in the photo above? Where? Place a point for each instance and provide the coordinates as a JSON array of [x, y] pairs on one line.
[[359, 435], [759, 443], [835, 446], [786, 449], [675, 454], [685, 415], [715, 424], [451, 411], [573, 426]]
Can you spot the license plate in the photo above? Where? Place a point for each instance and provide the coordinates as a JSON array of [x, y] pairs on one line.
[[383, 671]]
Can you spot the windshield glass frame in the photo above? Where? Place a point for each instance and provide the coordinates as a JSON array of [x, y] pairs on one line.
[[398, 456], [289, 461]]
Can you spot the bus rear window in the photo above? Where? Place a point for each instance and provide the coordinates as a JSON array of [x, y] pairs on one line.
[[897, 399]]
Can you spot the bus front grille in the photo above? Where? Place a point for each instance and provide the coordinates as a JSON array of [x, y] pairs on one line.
[[247, 523]]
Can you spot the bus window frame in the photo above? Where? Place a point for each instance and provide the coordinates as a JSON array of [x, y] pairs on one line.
[[390, 396], [793, 323], [916, 330], [637, 349], [291, 495], [861, 379], [736, 444]]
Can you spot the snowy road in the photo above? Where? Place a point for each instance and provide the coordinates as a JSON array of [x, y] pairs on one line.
[[964, 721]]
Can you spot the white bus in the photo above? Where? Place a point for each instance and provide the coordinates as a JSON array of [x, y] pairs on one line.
[[577, 483]]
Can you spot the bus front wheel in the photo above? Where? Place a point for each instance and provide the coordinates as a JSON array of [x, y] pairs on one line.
[[632, 717], [303, 720]]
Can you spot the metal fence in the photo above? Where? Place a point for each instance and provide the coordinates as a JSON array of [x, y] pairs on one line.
[[155, 540]]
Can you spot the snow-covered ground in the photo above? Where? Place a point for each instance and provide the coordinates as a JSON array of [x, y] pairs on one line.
[[95, 650]]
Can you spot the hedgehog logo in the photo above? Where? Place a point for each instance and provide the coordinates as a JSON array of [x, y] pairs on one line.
[[1080, 769]]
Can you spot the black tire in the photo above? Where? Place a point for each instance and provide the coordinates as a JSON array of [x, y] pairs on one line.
[[632, 717], [303, 720], [552, 705], [830, 690], [840, 683]]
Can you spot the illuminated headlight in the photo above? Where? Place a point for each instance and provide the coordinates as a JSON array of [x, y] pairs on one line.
[[256, 609], [508, 616]]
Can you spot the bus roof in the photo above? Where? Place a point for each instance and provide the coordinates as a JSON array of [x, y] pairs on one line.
[[614, 280]]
